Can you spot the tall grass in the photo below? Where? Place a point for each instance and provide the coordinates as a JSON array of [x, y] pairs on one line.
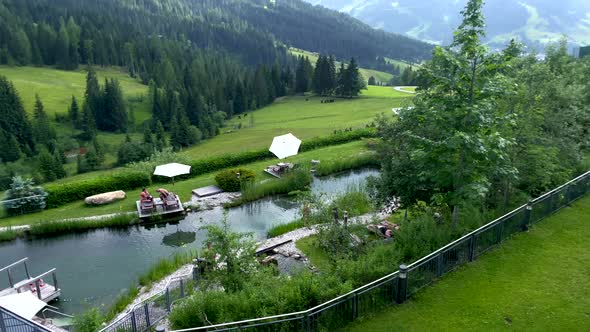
[[9, 235], [281, 229], [298, 179], [360, 160], [76, 226]]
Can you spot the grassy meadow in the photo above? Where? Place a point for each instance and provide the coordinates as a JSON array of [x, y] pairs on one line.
[[304, 116], [536, 281], [379, 75], [56, 87]]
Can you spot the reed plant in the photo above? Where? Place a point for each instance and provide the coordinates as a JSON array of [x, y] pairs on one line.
[[82, 225], [10, 234], [281, 229], [298, 179], [365, 159]]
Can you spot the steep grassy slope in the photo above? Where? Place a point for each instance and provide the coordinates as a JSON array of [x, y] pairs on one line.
[[56, 87]]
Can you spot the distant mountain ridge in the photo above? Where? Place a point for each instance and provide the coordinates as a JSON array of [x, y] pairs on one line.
[[534, 22]]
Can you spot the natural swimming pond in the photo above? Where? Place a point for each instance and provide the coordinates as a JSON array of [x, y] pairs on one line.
[[94, 267]]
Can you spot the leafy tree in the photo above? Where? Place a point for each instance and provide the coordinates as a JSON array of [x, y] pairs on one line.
[[448, 147]]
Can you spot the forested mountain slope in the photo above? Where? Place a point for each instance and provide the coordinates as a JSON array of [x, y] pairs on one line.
[[123, 32], [534, 22]]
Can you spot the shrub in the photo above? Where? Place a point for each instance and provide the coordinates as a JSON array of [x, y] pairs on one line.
[[89, 321], [23, 197], [281, 229], [364, 159], [63, 193], [232, 179]]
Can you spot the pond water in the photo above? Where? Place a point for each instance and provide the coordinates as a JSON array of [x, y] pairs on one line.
[[94, 267]]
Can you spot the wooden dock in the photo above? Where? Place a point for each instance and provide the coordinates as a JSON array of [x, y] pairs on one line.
[[159, 209], [207, 191], [42, 290]]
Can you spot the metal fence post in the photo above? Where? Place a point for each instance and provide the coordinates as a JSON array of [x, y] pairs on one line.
[[472, 247], [133, 322], [439, 264], [168, 299], [146, 309], [402, 284], [527, 216], [181, 288]]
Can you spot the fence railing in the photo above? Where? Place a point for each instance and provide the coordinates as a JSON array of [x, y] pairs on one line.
[[151, 311], [395, 288], [11, 322]]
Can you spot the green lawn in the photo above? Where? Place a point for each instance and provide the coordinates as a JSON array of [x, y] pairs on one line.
[[56, 87], [305, 117], [318, 257], [182, 188], [313, 58], [536, 281]]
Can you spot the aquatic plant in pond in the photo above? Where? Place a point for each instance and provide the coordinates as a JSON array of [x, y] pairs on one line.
[[81, 225]]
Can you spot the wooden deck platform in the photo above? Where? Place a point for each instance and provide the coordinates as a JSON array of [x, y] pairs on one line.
[[159, 209], [273, 173], [207, 191], [43, 290]]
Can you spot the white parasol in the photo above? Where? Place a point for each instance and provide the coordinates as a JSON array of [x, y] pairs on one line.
[[285, 146], [172, 170]]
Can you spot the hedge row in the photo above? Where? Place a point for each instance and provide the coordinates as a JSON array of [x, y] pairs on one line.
[[63, 193], [60, 194]]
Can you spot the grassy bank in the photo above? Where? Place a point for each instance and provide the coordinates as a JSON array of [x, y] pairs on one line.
[[536, 281], [157, 272], [74, 226], [9, 235], [182, 188]]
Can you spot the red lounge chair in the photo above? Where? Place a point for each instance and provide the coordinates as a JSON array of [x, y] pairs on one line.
[[147, 206], [171, 202]]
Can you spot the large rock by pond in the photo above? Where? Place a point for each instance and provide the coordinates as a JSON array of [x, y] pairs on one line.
[[106, 198]]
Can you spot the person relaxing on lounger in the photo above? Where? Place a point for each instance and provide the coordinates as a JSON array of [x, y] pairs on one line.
[[163, 193], [145, 196]]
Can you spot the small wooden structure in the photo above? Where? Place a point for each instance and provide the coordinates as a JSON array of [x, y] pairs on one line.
[[44, 291], [207, 191], [279, 169], [159, 207]]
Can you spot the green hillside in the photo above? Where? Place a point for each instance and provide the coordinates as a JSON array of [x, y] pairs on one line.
[[313, 58], [56, 87], [305, 117]]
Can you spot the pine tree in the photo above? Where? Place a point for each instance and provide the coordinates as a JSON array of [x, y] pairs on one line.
[[46, 165], [22, 48], [87, 125], [263, 96], [114, 115], [14, 119], [160, 137], [92, 96], [62, 48], [74, 113], [9, 147], [240, 102], [58, 167], [301, 77], [42, 129]]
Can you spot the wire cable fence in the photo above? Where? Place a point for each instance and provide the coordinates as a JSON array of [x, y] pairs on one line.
[[151, 311], [397, 287]]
